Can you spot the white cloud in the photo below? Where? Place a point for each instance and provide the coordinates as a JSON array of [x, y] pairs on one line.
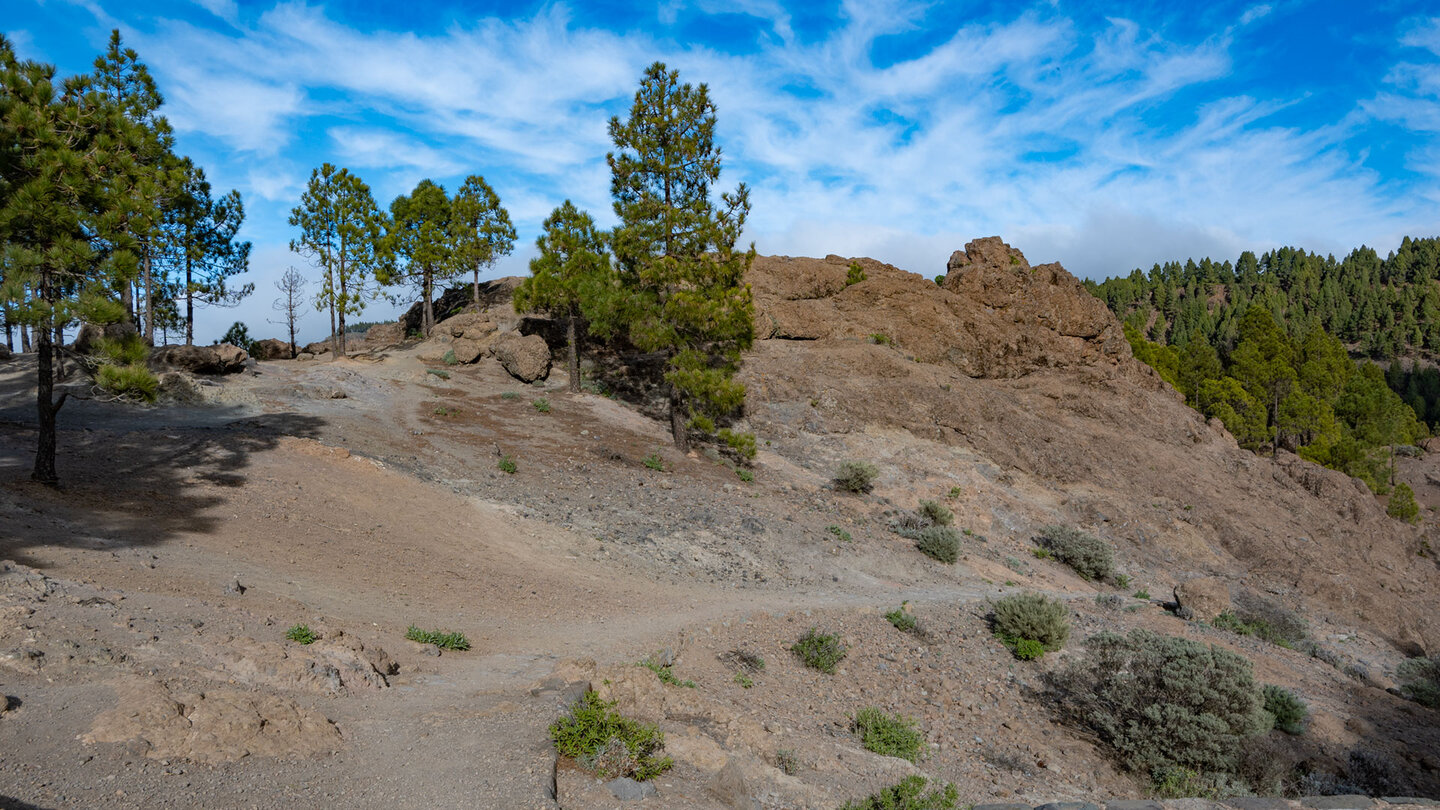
[[226, 10], [1254, 13]]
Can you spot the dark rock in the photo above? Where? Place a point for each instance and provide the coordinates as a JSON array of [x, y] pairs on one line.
[[219, 359], [1002, 806], [271, 349], [5, 353], [1068, 806], [1249, 803], [626, 789]]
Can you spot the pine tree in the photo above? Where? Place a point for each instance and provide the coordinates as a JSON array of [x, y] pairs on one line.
[[421, 239], [62, 228], [1261, 362], [571, 278], [342, 231], [676, 248], [292, 295], [201, 235], [480, 228]]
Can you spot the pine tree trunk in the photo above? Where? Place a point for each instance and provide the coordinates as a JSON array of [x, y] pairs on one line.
[[337, 344], [429, 317], [149, 301], [574, 353], [59, 355], [477, 288], [25, 344], [677, 421], [46, 408], [189, 307]]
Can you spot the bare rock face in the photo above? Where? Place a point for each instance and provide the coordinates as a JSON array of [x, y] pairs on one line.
[[1206, 597], [317, 348], [385, 335], [526, 357], [470, 325], [220, 359], [212, 727], [271, 349], [994, 317]]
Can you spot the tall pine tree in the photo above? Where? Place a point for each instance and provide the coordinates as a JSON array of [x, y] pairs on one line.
[[343, 233], [480, 228], [687, 295], [420, 240]]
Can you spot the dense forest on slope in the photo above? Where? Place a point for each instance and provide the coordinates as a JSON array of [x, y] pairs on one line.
[[1266, 345]]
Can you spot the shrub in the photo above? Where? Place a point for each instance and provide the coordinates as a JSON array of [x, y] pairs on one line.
[[1031, 616], [122, 351], [1087, 554], [785, 760], [445, 641], [542, 405], [1162, 702], [910, 794], [940, 542], [507, 465], [1402, 504], [902, 619], [1420, 680], [742, 443], [654, 462], [510, 395], [888, 735], [130, 382], [856, 476], [1109, 601], [881, 339], [1269, 620], [1027, 649], [820, 651], [662, 671], [744, 680], [611, 745], [438, 372], [840, 534], [855, 274], [449, 358], [1287, 708], [302, 634], [953, 493], [1141, 594], [744, 475], [936, 513]]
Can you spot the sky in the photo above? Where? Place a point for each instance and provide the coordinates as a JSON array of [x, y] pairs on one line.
[[1105, 136]]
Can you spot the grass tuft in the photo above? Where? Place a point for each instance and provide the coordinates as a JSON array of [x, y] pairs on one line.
[[820, 651], [445, 641]]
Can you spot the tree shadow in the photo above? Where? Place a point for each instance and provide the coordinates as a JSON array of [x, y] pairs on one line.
[[131, 478]]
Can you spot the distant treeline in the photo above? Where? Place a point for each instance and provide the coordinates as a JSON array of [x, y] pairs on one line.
[[1265, 345]]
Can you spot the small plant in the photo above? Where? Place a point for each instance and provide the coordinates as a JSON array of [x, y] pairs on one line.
[[940, 543], [1288, 709], [664, 674], [654, 462], [442, 411], [1040, 553], [953, 493], [507, 465], [438, 372], [1088, 555], [742, 443], [910, 794], [1142, 594], [1419, 680], [238, 335], [609, 744], [510, 395], [881, 339], [123, 351], [903, 619], [1031, 616], [854, 274], [744, 475], [449, 358], [443, 640], [888, 735], [1109, 601], [820, 651], [1028, 649], [743, 660], [744, 680], [133, 382], [1402, 504], [936, 513], [856, 476], [1228, 621], [840, 534], [785, 760], [541, 404], [302, 634], [1122, 581]]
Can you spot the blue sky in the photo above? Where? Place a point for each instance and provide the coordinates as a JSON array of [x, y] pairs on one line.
[[1105, 136]]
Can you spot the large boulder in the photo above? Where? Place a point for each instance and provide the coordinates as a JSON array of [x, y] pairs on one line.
[[526, 357], [1205, 597], [271, 349], [317, 348], [383, 335], [470, 325], [220, 359], [91, 333]]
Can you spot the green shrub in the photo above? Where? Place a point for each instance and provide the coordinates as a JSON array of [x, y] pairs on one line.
[[654, 462], [1141, 594], [130, 382], [664, 674], [742, 443], [940, 542], [1162, 702], [1402, 504], [1031, 616], [1109, 601], [445, 641], [1269, 620], [1087, 554], [1122, 581], [602, 740], [510, 395], [438, 372], [854, 274], [910, 794], [881, 339], [744, 680], [936, 513], [1419, 680], [1288, 709], [449, 358], [902, 619], [507, 465], [820, 651], [888, 735], [1227, 620], [953, 493], [122, 351], [1028, 649], [856, 476], [785, 760], [302, 634], [542, 405], [239, 335], [840, 534]]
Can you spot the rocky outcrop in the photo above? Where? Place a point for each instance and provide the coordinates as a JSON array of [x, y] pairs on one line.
[[385, 335], [493, 293], [90, 334], [271, 349], [994, 316], [1204, 597], [222, 358], [526, 357]]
